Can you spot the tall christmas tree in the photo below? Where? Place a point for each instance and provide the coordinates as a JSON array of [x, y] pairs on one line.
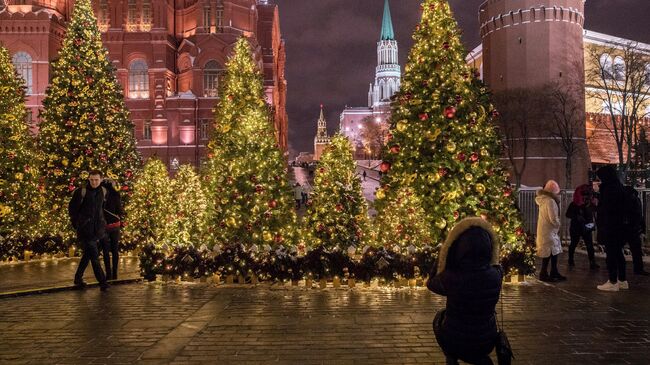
[[442, 139], [402, 221], [189, 207], [250, 200], [150, 212], [85, 122], [337, 214], [19, 192]]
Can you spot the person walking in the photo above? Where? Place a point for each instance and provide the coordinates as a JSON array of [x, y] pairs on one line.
[[548, 241], [610, 223], [466, 273], [87, 217], [113, 214], [581, 214], [364, 175], [297, 194]]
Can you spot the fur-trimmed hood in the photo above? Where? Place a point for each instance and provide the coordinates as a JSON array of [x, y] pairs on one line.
[[458, 230], [543, 194]]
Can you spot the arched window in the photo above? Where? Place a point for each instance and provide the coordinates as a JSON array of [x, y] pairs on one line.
[[619, 68], [138, 80], [211, 74], [23, 64], [606, 66], [146, 130], [647, 75]]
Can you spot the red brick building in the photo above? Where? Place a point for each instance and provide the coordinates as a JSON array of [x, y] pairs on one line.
[[169, 56]]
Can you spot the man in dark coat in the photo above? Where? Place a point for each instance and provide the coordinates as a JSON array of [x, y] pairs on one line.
[[466, 274], [113, 214], [87, 217], [610, 215], [634, 227]]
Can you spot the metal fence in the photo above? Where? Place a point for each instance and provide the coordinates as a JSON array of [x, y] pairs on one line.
[[529, 209]]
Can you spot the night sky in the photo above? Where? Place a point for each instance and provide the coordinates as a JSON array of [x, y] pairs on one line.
[[331, 49]]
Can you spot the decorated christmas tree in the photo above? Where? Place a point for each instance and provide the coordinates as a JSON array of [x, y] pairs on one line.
[[85, 122], [150, 213], [19, 189], [337, 213], [402, 222], [189, 207], [250, 200], [442, 141]]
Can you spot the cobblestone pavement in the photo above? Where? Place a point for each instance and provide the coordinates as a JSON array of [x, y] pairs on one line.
[[55, 272], [156, 323]]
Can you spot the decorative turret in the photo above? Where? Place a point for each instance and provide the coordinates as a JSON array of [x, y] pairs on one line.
[[322, 139], [388, 73]]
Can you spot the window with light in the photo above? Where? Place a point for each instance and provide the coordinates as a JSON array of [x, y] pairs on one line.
[[23, 64], [211, 74], [138, 80]]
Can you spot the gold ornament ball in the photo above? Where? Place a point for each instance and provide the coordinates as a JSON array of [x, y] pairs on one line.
[[380, 194], [484, 152], [480, 188], [469, 177], [451, 147], [441, 223], [401, 125]]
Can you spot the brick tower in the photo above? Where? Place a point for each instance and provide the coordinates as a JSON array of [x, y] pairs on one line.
[[531, 44]]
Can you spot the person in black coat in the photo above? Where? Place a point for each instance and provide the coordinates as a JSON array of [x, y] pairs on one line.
[[113, 214], [466, 273], [610, 222], [87, 217], [581, 214], [634, 227]]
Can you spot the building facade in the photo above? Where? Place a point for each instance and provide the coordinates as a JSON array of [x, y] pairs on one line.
[[169, 57], [322, 139], [354, 120]]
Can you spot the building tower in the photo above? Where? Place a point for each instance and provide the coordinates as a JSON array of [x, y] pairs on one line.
[[533, 44], [322, 139], [387, 74]]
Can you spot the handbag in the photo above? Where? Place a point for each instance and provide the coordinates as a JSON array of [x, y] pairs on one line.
[[503, 348]]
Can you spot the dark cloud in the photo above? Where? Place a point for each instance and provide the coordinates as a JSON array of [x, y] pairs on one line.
[[331, 48]]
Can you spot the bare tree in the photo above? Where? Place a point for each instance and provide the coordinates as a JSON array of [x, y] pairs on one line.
[[517, 108], [373, 135], [617, 76], [567, 120]]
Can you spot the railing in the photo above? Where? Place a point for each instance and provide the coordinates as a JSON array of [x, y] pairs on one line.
[[529, 210]]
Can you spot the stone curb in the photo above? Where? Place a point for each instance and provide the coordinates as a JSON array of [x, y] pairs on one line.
[[56, 289]]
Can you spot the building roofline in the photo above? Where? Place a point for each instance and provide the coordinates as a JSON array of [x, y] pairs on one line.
[[609, 40]]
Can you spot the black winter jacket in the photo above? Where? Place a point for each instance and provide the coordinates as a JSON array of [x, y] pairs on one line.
[[580, 215], [466, 276], [86, 213], [611, 208]]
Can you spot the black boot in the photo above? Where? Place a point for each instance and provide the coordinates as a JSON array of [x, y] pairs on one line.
[[572, 251], [555, 274], [543, 274]]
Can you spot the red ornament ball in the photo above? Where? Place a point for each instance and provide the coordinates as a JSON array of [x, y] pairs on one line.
[[125, 188], [443, 171], [519, 231], [259, 188], [507, 191], [473, 157], [450, 112], [394, 148], [424, 116], [461, 156], [339, 208], [385, 166], [273, 203], [445, 45]]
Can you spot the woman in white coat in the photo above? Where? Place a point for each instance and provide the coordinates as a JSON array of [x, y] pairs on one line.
[[548, 241]]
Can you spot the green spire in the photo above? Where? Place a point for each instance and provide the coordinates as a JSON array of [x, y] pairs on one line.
[[387, 32]]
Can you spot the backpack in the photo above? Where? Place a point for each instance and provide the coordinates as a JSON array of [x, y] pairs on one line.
[[633, 209]]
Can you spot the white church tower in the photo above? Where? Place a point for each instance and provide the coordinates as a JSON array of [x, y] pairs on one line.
[[388, 73]]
